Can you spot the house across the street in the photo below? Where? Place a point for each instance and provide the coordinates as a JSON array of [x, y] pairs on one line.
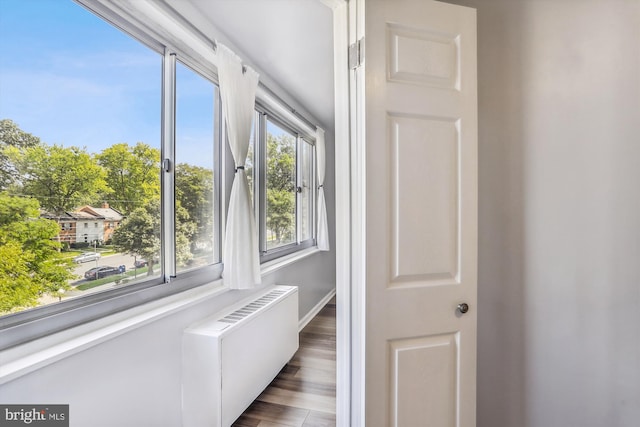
[[87, 224]]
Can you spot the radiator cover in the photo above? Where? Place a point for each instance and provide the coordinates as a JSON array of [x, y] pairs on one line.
[[230, 358]]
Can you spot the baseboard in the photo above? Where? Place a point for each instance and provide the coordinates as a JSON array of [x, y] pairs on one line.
[[315, 310]]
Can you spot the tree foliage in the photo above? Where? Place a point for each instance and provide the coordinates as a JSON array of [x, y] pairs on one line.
[[281, 162], [139, 234], [280, 214], [281, 179], [194, 192], [132, 175], [13, 142], [185, 230], [30, 264], [60, 178]]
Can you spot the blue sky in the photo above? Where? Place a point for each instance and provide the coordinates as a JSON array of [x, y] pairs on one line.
[[70, 78]]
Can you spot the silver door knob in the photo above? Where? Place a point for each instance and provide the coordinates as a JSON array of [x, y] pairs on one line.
[[463, 308]]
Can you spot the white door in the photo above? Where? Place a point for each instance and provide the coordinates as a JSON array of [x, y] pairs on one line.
[[417, 146]]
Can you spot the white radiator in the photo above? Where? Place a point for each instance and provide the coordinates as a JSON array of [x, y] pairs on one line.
[[229, 359]]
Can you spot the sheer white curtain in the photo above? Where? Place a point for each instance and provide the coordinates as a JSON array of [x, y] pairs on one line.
[[238, 86], [323, 228]]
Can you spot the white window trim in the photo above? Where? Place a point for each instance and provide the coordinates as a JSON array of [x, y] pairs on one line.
[[267, 255]]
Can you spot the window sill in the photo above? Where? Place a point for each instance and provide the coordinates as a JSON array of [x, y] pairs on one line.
[[23, 359], [278, 263], [33, 355]]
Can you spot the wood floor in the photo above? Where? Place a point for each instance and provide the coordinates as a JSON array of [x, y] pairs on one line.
[[304, 392]]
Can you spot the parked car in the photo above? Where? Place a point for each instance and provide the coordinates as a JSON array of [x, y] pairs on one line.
[[86, 256], [140, 263], [100, 272]]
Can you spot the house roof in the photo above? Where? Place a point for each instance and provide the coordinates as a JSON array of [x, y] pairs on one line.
[[70, 216], [61, 217], [85, 213], [109, 214]]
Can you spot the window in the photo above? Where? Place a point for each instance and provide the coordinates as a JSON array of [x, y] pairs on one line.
[[306, 190], [196, 237], [281, 171], [80, 105], [132, 125]]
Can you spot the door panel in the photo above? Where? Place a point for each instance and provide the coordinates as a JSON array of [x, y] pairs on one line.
[[419, 127], [423, 380], [420, 56], [424, 200]]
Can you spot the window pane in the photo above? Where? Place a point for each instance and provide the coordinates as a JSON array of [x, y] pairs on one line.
[[79, 153], [195, 100], [281, 187], [307, 190], [249, 165]]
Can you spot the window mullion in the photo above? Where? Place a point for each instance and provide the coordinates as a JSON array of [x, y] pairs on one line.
[[217, 181], [261, 182], [299, 188], [314, 194], [168, 205]]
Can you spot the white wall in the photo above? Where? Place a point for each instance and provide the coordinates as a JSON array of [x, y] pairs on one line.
[[559, 249], [134, 379]]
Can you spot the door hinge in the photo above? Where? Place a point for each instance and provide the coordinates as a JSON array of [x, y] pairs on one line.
[[356, 54]]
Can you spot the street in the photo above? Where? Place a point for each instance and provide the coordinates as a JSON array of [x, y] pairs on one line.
[[110, 260]]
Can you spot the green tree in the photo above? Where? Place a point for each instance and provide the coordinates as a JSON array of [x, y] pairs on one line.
[[194, 192], [186, 228], [60, 178], [280, 214], [30, 264], [132, 173], [281, 179], [13, 142], [281, 162], [139, 234]]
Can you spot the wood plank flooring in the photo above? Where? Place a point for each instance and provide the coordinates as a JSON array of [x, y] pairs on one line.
[[304, 392]]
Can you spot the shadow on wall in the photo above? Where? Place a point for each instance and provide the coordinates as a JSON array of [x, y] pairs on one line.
[[501, 293]]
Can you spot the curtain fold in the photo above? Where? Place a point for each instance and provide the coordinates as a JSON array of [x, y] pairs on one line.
[[238, 86], [323, 227]]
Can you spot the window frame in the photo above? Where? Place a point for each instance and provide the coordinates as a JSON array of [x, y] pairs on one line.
[[218, 165], [313, 189], [22, 327], [260, 187]]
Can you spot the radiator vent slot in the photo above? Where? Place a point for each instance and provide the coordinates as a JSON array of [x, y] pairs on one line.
[[251, 308]]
